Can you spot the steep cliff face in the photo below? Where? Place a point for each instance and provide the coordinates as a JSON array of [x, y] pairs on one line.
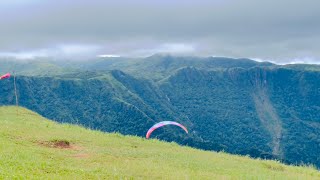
[[272, 112], [265, 112], [264, 108], [296, 97], [220, 105]]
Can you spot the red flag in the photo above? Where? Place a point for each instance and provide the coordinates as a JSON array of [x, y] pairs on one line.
[[5, 76]]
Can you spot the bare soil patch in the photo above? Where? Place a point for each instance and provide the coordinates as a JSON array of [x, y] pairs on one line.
[[61, 144]]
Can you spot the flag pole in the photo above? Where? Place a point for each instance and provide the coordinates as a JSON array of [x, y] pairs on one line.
[[15, 90]]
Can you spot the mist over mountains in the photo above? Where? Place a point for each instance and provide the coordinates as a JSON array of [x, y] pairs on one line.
[[237, 105]]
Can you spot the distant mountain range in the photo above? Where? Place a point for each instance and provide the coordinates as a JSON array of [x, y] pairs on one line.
[[237, 105]]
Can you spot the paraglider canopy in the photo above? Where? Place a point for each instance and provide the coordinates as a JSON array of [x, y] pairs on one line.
[[164, 123], [5, 76]]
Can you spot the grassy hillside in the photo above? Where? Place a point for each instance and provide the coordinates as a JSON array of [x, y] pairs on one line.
[[31, 146]]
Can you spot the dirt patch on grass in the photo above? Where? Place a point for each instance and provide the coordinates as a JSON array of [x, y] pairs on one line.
[[60, 144]]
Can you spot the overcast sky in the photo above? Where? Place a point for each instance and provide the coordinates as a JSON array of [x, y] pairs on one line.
[[278, 30]]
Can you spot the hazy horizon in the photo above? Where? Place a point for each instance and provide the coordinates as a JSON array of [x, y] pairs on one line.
[[280, 32]]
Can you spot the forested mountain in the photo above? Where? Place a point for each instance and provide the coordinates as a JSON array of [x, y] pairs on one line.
[[236, 105]]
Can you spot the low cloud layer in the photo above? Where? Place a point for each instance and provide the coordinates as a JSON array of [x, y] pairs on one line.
[[281, 31]]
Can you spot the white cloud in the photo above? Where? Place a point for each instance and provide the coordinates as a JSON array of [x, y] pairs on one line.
[[78, 49], [107, 55], [170, 48], [303, 60], [61, 51], [175, 48], [25, 55]]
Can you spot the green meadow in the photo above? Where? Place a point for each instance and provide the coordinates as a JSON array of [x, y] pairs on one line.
[[33, 147]]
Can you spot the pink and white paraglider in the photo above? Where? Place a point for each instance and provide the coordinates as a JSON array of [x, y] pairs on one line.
[[5, 76], [164, 123]]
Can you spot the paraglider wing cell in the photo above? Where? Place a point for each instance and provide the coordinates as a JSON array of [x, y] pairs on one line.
[[164, 123]]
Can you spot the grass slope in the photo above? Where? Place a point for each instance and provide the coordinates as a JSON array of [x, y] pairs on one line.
[[28, 149]]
